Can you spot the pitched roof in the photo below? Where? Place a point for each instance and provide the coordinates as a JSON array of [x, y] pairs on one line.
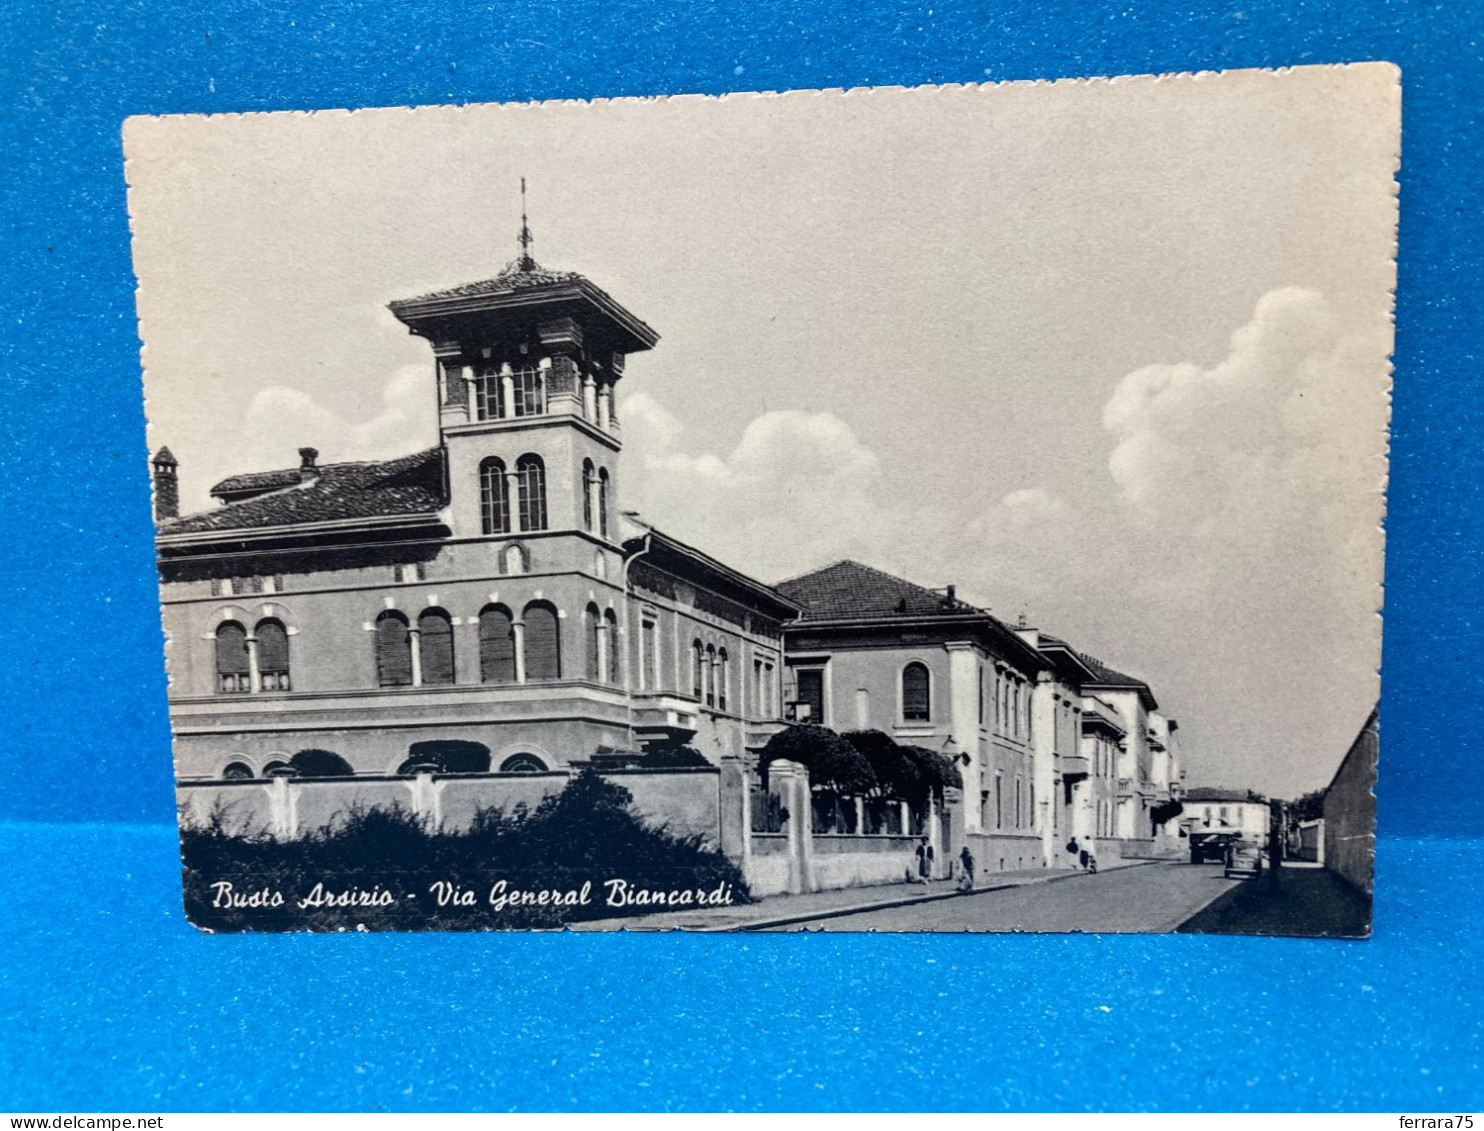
[[850, 589], [518, 275], [408, 485], [1110, 677], [1216, 793], [257, 481]]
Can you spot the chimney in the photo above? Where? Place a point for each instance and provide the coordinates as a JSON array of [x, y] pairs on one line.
[[307, 469], [167, 486]]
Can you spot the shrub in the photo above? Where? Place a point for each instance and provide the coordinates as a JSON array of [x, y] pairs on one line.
[[584, 834]]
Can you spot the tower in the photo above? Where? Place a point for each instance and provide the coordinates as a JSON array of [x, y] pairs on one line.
[[167, 485], [527, 363]]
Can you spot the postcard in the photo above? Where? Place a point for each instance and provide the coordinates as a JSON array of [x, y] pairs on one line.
[[936, 509]]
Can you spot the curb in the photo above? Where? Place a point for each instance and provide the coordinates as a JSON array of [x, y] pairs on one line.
[[903, 901]]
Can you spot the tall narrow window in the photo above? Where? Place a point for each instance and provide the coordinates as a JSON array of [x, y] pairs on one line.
[[811, 695], [531, 484], [591, 631], [615, 646], [916, 701], [530, 391], [543, 642], [587, 494], [435, 636], [757, 689], [489, 399], [650, 659], [496, 645], [708, 675], [393, 650], [273, 655], [232, 665], [723, 673], [494, 497], [603, 502], [698, 657]]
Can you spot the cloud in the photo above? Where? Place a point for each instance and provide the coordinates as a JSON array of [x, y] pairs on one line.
[[280, 420], [797, 490]]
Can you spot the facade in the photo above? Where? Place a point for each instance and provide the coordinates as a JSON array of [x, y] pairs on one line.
[[466, 626], [483, 606], [1226, 810], [1349, 827]]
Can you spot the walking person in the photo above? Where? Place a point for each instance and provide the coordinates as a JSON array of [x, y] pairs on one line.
[[924, 860], [966, 862]]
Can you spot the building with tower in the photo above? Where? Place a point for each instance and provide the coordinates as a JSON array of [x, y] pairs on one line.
[[483, 606]]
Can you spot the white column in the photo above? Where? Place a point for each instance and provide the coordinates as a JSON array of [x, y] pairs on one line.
[[603, 653], [507, 395], [254, 680], [415, 646], [605, 407], [589, 398], [512, 500], [518, 630]]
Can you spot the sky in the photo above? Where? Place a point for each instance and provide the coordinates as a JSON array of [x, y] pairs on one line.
[[1109, 355]]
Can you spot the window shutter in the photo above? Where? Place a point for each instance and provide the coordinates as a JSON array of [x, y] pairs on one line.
[[436, 635], [590, 631], [811, 691], [496, 646], [393, 651], [231, 649], [543, 645], [273, 647]]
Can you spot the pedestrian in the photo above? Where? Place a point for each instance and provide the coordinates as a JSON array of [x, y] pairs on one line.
[[924, 860], [966, 861]]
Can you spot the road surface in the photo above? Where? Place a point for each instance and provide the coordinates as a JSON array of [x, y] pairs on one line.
[[1149, 897]]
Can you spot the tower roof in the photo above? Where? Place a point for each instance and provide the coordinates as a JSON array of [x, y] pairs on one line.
[[521, 290], [165, 456]]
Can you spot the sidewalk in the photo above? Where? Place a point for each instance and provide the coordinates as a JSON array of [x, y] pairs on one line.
[[785, 910]]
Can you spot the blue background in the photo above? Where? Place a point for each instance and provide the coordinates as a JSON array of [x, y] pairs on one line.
[[109, 1001]]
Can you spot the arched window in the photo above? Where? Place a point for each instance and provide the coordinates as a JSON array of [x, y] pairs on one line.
[[723, 676], [530, 391], [489, 399], [698, 657], [515, 560], [531, 484], [587, 494], [916, 703], [708, 674], [232, 665], [317, 763], [273, 655], [523, 764], [615, 647], [238, 771], [393, 650], [494, 497], [496, 645], [602, 502], [592, 631], [435, 641], [543, 642], [277, 766]]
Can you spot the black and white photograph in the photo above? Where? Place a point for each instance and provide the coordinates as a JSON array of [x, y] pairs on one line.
[[936, 509]]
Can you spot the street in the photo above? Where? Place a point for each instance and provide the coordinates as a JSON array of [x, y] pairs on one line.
[[1148, 898]]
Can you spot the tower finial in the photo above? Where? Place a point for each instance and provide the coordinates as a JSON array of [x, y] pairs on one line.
[[526, 239]]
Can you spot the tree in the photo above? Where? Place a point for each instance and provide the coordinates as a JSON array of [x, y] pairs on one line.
[[832, 762]]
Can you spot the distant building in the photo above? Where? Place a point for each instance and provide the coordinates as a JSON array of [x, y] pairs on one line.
[[1225, 810]]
